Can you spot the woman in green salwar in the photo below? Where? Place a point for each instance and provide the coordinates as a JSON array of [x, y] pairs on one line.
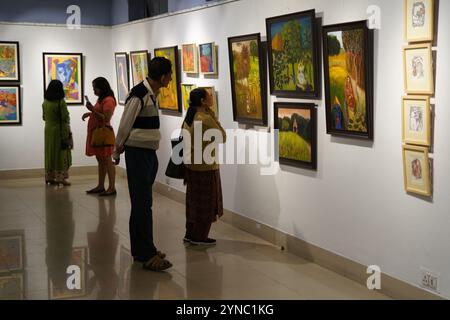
[[57, 128]]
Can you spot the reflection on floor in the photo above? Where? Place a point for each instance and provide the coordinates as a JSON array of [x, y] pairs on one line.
[[43, 230]]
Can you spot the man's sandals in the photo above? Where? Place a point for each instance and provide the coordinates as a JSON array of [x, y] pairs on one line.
[[156, 263]]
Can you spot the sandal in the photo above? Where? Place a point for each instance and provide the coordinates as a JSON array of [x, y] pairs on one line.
[[95, 190], [157, 264], [162, 255]]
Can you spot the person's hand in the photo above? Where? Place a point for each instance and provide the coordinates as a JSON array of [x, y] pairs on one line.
[[86, 115], [116, 161], [120, 149]]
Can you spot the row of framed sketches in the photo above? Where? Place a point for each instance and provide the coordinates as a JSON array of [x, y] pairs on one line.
[[10, 98], [201, 59]]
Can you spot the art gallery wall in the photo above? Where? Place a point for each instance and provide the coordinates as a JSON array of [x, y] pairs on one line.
[[354, 205]]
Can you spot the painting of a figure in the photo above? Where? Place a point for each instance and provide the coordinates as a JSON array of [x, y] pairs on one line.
[[417, 170], [9, 61], [419, 20], [416, 120], [247, 79], [190, 58], [67, 68], [208, 63], [418, 69], [348, 57], [139, 65], [170, 97], [122, 74], [10, 105], [293, 55]]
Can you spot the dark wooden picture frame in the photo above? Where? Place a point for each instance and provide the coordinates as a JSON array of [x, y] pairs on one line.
[[261, 118], [312, 53], [17, 122], [17, 49], [337, 122], [300, 131], [148, 55], [121, 101]]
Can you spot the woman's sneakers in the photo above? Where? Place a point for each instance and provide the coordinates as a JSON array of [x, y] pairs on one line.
[[207, 242]]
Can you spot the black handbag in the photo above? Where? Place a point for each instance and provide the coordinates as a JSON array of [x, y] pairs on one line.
[[176, 171], [66, 143]]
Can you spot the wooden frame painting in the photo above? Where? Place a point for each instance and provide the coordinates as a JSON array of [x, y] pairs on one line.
[[10, 105], [190, 58], [170, 97], [208, 58], [67, 68], [416, 122], [416, 169], [215, 107], [418, 69], [248, 81], [9, 61], [139, 65], [348, 66], [122, 76], [297, 134], [419, 20], [12, 286], [12, 251], [186, 91], [294, 55]]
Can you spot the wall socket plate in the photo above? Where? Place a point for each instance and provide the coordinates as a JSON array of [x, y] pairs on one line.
[[429, 280]]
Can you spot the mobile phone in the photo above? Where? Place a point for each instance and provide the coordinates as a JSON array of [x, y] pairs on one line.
[[87, 99]]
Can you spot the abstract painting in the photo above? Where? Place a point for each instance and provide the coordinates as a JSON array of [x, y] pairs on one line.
[[186, 90], [416, 167], [214, 107], [190, 58], [122, 75], [10, 105], [247, 69], [9, 62], [418, 69], [293, 55], [139, 65], [67, 68], [297, 134], [348, 64], [208, 58], [419, 20], [417, 120], [170, 97]]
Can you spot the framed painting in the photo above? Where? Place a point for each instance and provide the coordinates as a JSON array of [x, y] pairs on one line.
[[190, 58], [186, 91], [170, 97], [67, 68], [208, 58], [12, 247], [348, 66], [247, 69], [416, 167], [9, 61], [416, 116], [139, 65], [122, 75], [419, 20], [418, 69], [212, 91], [297, 134], [10, 105], [294, 55], [12, 286]]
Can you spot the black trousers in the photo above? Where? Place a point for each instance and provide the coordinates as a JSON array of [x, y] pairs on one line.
[[142, 166]]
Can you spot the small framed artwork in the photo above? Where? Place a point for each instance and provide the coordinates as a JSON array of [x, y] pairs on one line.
[[186, 91], [122, 75], [12, 247], [208, 58], [294, 55], [139, 65], [212, 91], [248, 81], [12, 286], [419, 20], [67, 68], [170, 97], [348, 64], [9, 61], [190, 58], [416, 120], [297, 134], [10, 105], [416, 167], [418, 69]]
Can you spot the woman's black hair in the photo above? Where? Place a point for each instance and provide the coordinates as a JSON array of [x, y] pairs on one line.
[[104, 88], [195, 100], [55, 91]]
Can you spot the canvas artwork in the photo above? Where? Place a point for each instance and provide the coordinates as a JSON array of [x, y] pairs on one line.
[[10, 105], [417, 120], [416, 166], [419, 20], [348, 63], [208, 58], [418, 69], [170, 97], [12, 286], [122, 75], [9, 61], [186, 91], [293, 55], [212, 91], [11, 251], [247, 79], [297, 135], [67, 68], [190, 58], [139, 65]]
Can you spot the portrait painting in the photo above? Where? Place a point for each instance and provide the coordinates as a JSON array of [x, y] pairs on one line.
[[416, 167], [419, 20], [417, 120], [122, 75]]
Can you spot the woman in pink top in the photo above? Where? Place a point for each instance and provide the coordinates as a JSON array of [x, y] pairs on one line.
[[100, 115]]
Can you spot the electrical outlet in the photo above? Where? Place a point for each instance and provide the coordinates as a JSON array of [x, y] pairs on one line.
[[429, 280]]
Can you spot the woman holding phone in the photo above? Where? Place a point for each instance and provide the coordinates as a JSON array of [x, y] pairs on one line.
[[100, 115]]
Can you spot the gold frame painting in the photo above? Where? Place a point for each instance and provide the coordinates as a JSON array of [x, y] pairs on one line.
[[419, 20], [416, 120], [416, 170], [207, 60], [186, 89], [139, 74], [418, 69], [189, 57], [215, 106]]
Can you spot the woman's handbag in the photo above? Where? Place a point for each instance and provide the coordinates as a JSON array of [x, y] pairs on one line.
[[66, 143], [176, 171], [103, 137]]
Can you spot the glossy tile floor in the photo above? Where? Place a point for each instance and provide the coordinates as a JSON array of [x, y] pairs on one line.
[[44, 229]]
